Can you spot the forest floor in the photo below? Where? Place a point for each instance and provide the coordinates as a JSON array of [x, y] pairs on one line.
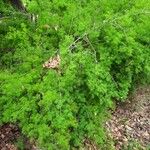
[[128, 127]]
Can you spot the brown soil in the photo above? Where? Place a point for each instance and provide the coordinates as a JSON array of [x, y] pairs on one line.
[[10, 135], [131, 121]]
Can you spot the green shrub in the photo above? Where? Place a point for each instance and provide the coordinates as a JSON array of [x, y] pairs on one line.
[[104, 49]]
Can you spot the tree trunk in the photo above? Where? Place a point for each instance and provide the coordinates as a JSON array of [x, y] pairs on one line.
[[18, 4]]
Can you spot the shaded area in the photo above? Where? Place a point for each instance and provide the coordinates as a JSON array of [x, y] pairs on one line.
[[12, 139], [8, 134]]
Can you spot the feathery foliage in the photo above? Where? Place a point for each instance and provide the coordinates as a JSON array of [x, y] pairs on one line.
[[104, 50]]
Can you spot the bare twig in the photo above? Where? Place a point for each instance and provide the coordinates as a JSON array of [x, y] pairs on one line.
[[71, 47], [92, 47]]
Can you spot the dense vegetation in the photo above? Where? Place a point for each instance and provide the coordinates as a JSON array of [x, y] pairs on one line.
[[104, 50]]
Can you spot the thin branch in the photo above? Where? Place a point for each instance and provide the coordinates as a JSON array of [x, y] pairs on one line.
[[71, 47], [92, 47]]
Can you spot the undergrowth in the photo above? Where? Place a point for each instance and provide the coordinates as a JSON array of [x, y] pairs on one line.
[[104, 50]]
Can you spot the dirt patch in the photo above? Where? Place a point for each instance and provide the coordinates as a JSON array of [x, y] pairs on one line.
[[131, 121], [8, 134], [11, 138]]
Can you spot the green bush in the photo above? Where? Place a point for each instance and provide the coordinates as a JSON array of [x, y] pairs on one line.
[[104, 49]]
